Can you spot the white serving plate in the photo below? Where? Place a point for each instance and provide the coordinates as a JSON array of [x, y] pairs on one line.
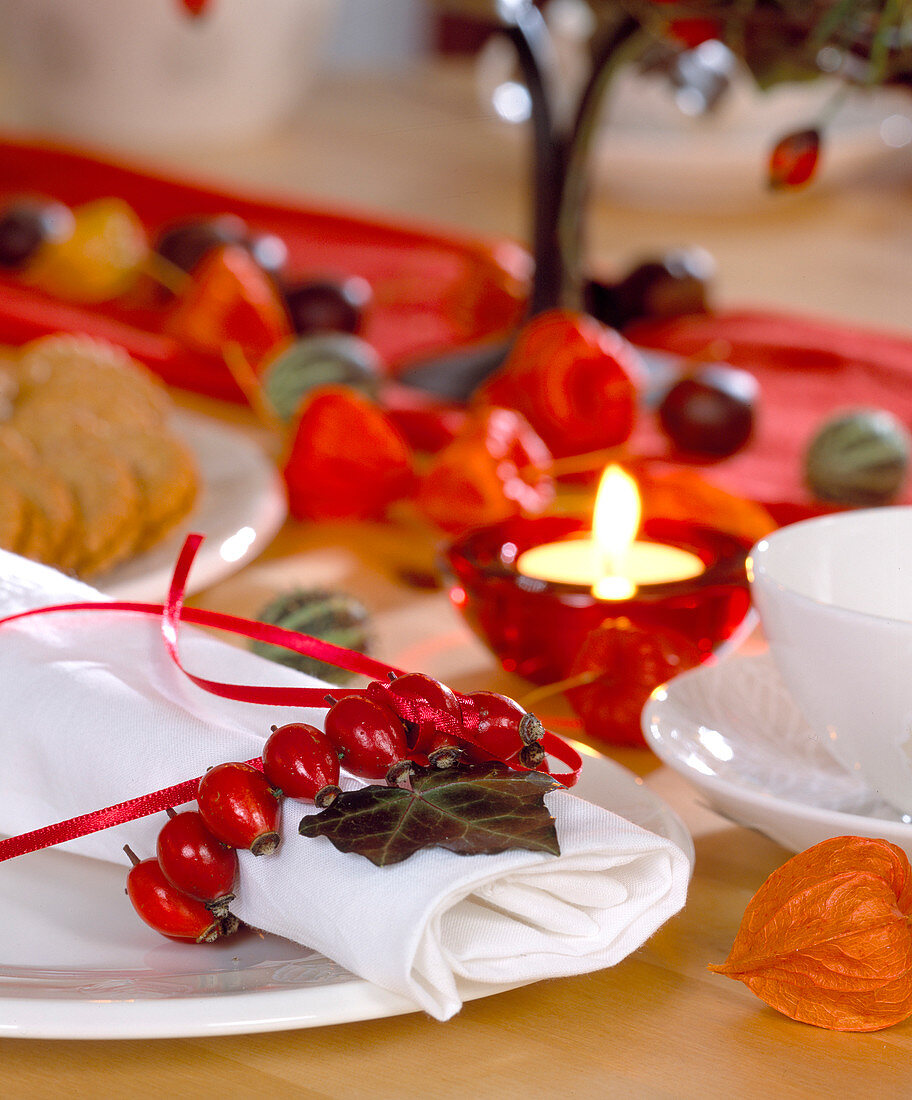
[[76, 962], [734, 731], [240, 507]]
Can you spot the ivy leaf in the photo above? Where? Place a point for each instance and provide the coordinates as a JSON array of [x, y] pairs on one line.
[[477, 810]]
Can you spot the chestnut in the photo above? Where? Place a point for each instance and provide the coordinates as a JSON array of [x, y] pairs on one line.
[[711, 410], [674, 284], [328, 305], [185, 243]]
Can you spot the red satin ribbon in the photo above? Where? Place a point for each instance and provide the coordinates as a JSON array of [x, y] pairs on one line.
[[133, 808], [172, 614]]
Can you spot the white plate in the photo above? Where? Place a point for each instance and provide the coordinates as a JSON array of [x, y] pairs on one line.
[[241, 505], [76, 963], [735, 732]]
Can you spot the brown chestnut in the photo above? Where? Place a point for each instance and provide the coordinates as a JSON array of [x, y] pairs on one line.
[[656, 289], [711, 410], [185, 243], [328, 305]]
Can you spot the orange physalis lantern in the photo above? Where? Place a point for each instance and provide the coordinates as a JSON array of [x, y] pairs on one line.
[[827, 939]]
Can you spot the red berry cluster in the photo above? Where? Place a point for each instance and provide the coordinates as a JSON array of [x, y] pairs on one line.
[[185, 891], [414, 720], [383, 735]]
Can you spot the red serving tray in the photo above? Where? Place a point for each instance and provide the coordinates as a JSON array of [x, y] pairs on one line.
[[437, 291], [434, 291]]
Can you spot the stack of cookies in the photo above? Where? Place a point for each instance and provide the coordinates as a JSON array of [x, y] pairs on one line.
[[91, 473]]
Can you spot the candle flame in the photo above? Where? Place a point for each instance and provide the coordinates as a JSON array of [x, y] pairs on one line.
[[615, 522], [616, 517]]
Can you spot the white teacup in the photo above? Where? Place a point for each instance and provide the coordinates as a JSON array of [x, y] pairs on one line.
[[834, 596]]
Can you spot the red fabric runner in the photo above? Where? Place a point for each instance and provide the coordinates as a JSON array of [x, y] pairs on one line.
[[808, 370]]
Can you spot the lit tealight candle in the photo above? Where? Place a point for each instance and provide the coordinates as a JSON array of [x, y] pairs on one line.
[[613, 562]]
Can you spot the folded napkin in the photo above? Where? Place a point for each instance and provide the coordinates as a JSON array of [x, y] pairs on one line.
[[93, 712]]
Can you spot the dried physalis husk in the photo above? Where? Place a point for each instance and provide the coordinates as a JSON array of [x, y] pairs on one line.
[[827, 939]]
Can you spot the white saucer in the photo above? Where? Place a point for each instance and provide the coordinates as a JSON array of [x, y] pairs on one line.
[[733, 730]]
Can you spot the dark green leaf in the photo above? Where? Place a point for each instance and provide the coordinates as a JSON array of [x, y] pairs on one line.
[[471, 811]]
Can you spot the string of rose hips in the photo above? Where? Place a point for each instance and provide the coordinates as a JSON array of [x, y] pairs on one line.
[[185, 890], [382, 732]]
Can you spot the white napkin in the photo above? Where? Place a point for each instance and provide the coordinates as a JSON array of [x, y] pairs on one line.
[[93, 712]]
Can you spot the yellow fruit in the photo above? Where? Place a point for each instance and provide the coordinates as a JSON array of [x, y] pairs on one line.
[[100, 260]]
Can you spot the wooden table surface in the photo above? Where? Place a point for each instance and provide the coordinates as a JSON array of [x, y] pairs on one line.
[[417, 145]]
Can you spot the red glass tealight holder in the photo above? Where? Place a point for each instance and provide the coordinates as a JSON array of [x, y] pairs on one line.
[[537, 627]]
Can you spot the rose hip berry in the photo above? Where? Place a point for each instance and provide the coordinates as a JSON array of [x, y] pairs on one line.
[[442, 749], [300, 761], [369, 737], [418, 699], [239, 806], [504, 727], [169, 910], [194, 860]]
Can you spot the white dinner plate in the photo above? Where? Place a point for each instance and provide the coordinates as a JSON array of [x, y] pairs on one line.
[[735, 732], [76, 962], [240, 506]]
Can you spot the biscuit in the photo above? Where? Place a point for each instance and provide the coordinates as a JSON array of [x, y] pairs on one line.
[[101, 482], [51, 511], [166, 473], [162, 467], [93, 374], [9, 388], [13, 517], [88, 448]]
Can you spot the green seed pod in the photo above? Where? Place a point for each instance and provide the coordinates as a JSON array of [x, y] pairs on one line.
[[858, 458], [333, 358], [331, 616]]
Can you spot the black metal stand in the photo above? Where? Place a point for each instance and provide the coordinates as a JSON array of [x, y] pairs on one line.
[[560, 156]]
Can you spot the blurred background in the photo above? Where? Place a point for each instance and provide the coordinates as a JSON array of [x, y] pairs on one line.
[[142, 75], [339, 96]]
